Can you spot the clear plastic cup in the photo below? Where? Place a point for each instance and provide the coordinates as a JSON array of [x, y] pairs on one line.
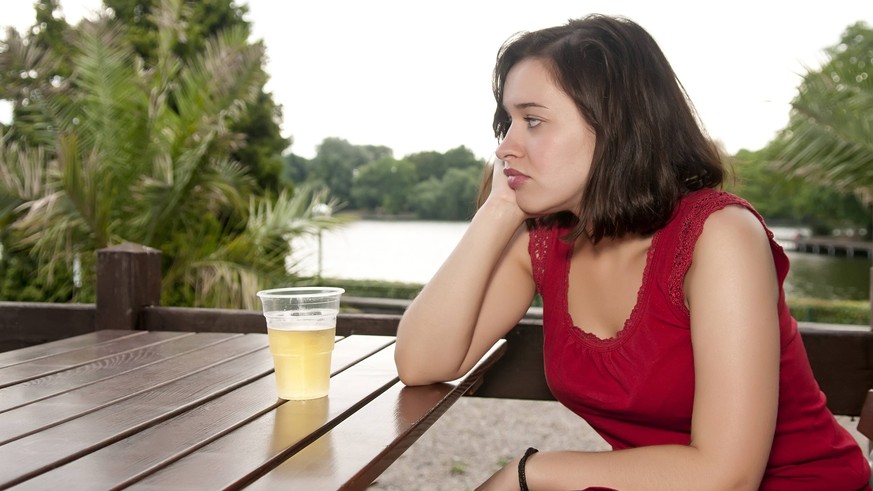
[[301, 325]]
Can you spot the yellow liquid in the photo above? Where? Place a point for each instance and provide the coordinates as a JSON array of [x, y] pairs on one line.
[[302, 361]]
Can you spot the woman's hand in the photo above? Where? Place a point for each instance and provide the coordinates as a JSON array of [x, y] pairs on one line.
[[496, 191]]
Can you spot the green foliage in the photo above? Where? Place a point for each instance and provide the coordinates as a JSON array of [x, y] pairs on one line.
[[260, 145], [435, 165], [264, 144], [337, 161], [383, 185], [18, 284], [828, 137], [830, 311], [427, 185], [788, 199], [128, 149], [201, 20], [453, 197], [368, 288]]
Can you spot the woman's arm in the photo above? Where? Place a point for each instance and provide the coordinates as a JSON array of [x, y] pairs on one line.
[[479, 293], [732, 293]]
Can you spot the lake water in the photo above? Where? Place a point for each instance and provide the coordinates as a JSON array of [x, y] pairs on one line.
[[412, 251]]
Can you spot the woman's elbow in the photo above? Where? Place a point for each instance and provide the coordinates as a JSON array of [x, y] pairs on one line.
[[415, 372], [410, 373]]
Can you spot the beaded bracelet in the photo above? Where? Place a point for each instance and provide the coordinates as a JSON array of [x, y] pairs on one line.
[[522, 482]]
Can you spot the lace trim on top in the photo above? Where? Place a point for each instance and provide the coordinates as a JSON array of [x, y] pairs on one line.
[[538, 248], [630, 324], [691, 228]]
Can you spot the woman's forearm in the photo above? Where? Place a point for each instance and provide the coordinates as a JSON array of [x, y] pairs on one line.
[[436, 332], [660, 467]]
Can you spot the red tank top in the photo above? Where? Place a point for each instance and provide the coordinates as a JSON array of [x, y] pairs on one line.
[[637, 388]]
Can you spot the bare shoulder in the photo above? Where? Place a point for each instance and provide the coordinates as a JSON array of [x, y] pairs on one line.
[[733, 227], [733, 251]]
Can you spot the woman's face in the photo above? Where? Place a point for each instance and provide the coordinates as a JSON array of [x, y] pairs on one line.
[[549, 146]]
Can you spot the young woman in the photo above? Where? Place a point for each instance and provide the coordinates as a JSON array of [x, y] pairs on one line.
[[664, 317]]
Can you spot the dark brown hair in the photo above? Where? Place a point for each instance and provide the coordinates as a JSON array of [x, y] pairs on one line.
[[649, 150]]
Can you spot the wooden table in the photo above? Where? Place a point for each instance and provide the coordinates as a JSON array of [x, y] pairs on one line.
[[171, 410]]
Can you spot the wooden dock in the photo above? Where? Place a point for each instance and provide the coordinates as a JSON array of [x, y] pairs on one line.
[[831, 247]]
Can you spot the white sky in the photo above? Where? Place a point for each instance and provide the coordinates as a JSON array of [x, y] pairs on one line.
[[416, 76]]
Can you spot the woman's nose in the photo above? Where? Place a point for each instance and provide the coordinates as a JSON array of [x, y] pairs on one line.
[[508, 147]]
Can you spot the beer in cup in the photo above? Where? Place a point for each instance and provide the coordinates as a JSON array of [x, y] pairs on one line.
[[301, 326]]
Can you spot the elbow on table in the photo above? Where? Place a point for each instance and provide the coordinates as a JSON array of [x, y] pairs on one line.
[[417, 372]]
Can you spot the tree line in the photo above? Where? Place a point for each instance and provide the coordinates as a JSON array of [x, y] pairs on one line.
[[424, 185]]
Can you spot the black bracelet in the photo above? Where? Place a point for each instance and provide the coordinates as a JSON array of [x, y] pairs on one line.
[[522, 482]]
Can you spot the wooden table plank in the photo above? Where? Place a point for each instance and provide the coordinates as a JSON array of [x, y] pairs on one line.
[[41, 451], [64, 361], [127, 460], [62, 346], [166, 417], [355, 452], [24, 420], [240, 455], [57, 383], [338, 456]]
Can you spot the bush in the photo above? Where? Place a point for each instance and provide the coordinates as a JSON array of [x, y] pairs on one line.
[[830, 311], [368, 288]]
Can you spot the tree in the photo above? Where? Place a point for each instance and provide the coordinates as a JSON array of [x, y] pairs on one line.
[[261, 144], [296, 169], [384, 185], [435, 164], [336, 162], [828, 137], [125, 151], [451, 198]]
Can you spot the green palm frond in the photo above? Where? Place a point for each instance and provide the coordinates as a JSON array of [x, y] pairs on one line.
[[829, 138], [110, 102], [208, 93], [244, 263], [24, 174], [25, 66]]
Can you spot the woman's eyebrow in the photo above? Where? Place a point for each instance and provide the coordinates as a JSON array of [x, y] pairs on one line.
[[526, 105]]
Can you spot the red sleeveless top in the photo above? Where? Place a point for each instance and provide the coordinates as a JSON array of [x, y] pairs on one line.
[[637, 388]]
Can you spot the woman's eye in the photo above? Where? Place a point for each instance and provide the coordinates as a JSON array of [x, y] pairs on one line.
[[532, 122]]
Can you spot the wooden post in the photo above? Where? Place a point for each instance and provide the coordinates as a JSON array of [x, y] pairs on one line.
[[128, 279]]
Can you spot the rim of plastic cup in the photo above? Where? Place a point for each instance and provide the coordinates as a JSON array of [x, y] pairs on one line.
[[297, 291]]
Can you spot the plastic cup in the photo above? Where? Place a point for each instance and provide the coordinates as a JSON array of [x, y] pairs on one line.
[[301, 326]]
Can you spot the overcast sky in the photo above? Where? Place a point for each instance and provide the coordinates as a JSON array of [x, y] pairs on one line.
[[416, 76]]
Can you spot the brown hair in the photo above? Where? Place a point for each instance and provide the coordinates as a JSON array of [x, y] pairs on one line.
[[649, 150]]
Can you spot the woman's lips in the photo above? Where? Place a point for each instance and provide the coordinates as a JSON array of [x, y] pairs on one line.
[[514, 178]]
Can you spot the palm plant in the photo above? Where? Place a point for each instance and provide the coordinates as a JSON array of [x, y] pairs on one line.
[[136, 153], [829, 138]]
